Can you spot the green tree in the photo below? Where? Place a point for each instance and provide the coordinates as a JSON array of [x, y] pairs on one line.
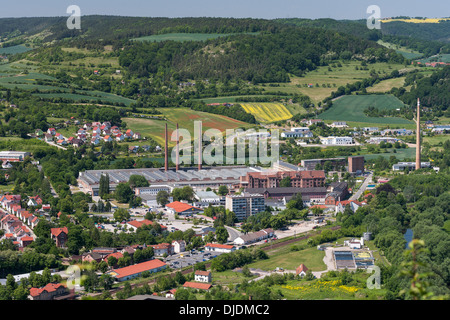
[[221, 234], [162, 198], [123, 193]]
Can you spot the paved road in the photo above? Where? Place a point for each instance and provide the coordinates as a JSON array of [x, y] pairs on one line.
[[233, 233], [363, 187]]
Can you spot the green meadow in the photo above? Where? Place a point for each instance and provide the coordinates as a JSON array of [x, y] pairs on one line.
[[351, 109]]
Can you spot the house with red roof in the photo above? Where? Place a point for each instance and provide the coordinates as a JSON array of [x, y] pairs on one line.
[[162, 249], [301, 270], [129, 134], [183, 208], [219, 247], [136, 270], [133, 225], [197, 285], [49, 292], [25, 241], [59, 235], [120, 137], [34, 201]]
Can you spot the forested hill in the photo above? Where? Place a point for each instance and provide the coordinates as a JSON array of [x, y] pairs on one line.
[[265, 57], [110, 29], [433, 91], [428, 38]]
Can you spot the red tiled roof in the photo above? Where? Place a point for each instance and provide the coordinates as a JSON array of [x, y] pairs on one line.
[[138, 268], [221, 246], [181, 206], [26, 238], [51, 287], [56, 231], [196, 285], [301, 268], [346, 202], [117, 255]]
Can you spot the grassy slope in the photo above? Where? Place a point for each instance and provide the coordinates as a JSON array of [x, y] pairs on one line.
[[351, 109]]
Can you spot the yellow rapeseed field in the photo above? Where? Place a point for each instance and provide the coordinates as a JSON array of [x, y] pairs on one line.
[[427, 20], [267, 112]]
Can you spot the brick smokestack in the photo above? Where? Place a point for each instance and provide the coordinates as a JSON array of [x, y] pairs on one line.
[[200, 147], [177, 164], [166, 151], [418, 166]]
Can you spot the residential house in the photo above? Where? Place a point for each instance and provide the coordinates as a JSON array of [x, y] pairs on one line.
[[202, 276], [59, 235], [354, 205], [51, 131], [219, 247], [178, 246], [137, 135], [120, 137], [301, 270], [162, 249], [49, 292], [91, 257], [196, 285], [129, 134]]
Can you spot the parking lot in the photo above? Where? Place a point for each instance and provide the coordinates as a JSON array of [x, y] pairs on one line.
[[181, 260]]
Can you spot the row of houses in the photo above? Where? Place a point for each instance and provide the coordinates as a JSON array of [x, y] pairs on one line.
[[92, 133]]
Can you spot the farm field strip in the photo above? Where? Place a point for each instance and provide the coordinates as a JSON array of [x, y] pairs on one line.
[[267, 112]]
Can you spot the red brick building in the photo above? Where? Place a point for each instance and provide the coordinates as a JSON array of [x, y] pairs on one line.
[[356, 164], [299, 179], [49, 292]]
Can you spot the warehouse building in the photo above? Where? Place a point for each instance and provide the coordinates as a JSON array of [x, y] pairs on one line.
[[212, 177]]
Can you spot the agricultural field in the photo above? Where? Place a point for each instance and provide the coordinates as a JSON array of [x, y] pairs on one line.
[[185, 118], [267, 112], [437, 58], [14, 49], [407, 53], [351, 109], [413, 20], [326, 79], [401, 154], [290, 260], [387, 85]]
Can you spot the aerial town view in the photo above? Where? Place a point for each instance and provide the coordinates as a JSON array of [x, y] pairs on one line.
[[174, 152]]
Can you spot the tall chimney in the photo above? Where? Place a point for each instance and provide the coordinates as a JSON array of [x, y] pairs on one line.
[[200, 147], [418, 166], [166, 151], [177, 164]]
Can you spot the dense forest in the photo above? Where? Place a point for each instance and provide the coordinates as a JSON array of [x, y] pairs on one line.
[[433, 91], [266, 57]]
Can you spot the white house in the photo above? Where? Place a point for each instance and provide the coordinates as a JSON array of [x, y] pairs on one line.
[[337, 140], [219, 247], [355, 243], [202, 276], [178, 246]]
